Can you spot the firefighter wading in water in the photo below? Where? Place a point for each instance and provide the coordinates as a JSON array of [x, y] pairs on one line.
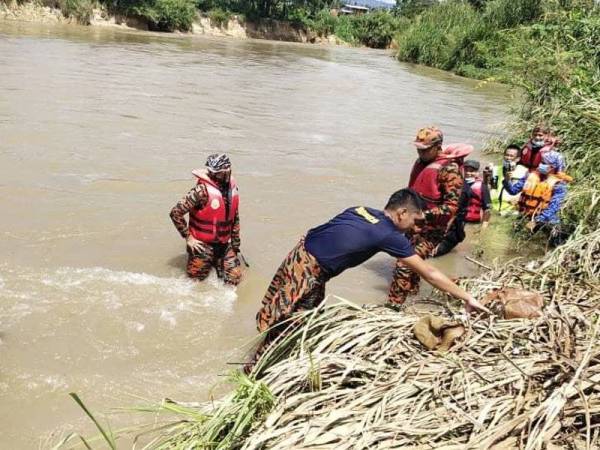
[[213, 235], [437, 178]]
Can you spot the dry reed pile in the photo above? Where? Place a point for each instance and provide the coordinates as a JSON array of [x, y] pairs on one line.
[[356, 378]]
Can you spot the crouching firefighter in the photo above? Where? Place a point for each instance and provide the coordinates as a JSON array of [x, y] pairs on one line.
[[349, 239], [474, 206], [213, 234]]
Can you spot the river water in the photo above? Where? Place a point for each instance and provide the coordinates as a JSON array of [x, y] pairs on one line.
[[99, 130]]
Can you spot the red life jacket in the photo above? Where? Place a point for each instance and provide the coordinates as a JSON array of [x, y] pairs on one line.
[[531, 158], [214, 222], [475, 201], [424, 177]]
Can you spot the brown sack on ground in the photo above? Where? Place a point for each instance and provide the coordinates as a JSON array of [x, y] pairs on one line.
[[437, 334], [515, 303]]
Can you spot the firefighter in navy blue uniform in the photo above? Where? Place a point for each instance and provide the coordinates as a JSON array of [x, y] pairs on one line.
[[347, 240]]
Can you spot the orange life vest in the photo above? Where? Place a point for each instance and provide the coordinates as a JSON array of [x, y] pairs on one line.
[[214, 222], [537, 193]]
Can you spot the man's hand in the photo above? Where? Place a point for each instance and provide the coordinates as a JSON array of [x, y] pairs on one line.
[[472, 305], [193, 243], [531, 226]]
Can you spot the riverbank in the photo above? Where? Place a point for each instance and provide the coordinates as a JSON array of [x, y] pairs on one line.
[[358, 378], [232, 26]]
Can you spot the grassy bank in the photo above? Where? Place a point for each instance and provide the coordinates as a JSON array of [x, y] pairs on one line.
[[357, 378], [549, 49]]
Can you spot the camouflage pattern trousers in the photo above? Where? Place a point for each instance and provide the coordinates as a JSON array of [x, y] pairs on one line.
[[220, 256], [405, 282], [298, 285]]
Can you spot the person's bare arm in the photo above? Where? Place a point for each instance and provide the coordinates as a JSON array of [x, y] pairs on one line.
[[437, 279]]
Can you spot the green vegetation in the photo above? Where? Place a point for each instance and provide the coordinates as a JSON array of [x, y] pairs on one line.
[[470, 41], [219, 17], [549, 49], [375, 29], [162, 15], [215, 426], [222, 428], [81, 10]]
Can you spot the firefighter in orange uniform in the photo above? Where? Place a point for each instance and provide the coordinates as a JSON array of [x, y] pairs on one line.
[[436, 177], [213, 233]]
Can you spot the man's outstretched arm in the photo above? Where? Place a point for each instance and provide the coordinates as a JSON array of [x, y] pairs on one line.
[[440, 281]]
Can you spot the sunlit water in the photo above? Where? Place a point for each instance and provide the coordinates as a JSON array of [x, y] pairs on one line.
[[99, 130]]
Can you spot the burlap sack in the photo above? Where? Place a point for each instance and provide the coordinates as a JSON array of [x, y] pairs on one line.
[[437, 334], [515, 303]]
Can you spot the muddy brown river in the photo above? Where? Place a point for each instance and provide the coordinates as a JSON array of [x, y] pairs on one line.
[[99, 130]]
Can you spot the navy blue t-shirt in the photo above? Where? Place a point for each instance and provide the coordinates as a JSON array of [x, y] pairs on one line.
[[354, 236]]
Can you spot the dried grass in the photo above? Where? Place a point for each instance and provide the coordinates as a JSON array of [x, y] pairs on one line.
[[356, 378]]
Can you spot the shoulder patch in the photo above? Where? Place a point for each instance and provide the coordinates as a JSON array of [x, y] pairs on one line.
[[362, 212]]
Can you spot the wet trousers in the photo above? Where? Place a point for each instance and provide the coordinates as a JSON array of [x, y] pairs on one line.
[[298, 285], [221, 257], [455, 236], [406, 282]]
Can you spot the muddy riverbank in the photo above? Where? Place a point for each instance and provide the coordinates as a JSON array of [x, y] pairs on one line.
[[234, 27]]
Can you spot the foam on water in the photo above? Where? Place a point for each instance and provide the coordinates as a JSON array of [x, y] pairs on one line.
[[136, 295], [71, 277]]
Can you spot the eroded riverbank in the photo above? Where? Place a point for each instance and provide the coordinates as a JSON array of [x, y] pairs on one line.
[[233, 27]]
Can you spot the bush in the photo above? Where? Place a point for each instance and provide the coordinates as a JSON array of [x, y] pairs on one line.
[[375, 29], [457, 36], [345, 29], [219, 17], [510, 13], [437, 36], [81, 10], [166, 15], [324, 23]]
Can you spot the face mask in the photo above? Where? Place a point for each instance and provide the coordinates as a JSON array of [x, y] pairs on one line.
[[470, 180], [538, 143], [544, 169]]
